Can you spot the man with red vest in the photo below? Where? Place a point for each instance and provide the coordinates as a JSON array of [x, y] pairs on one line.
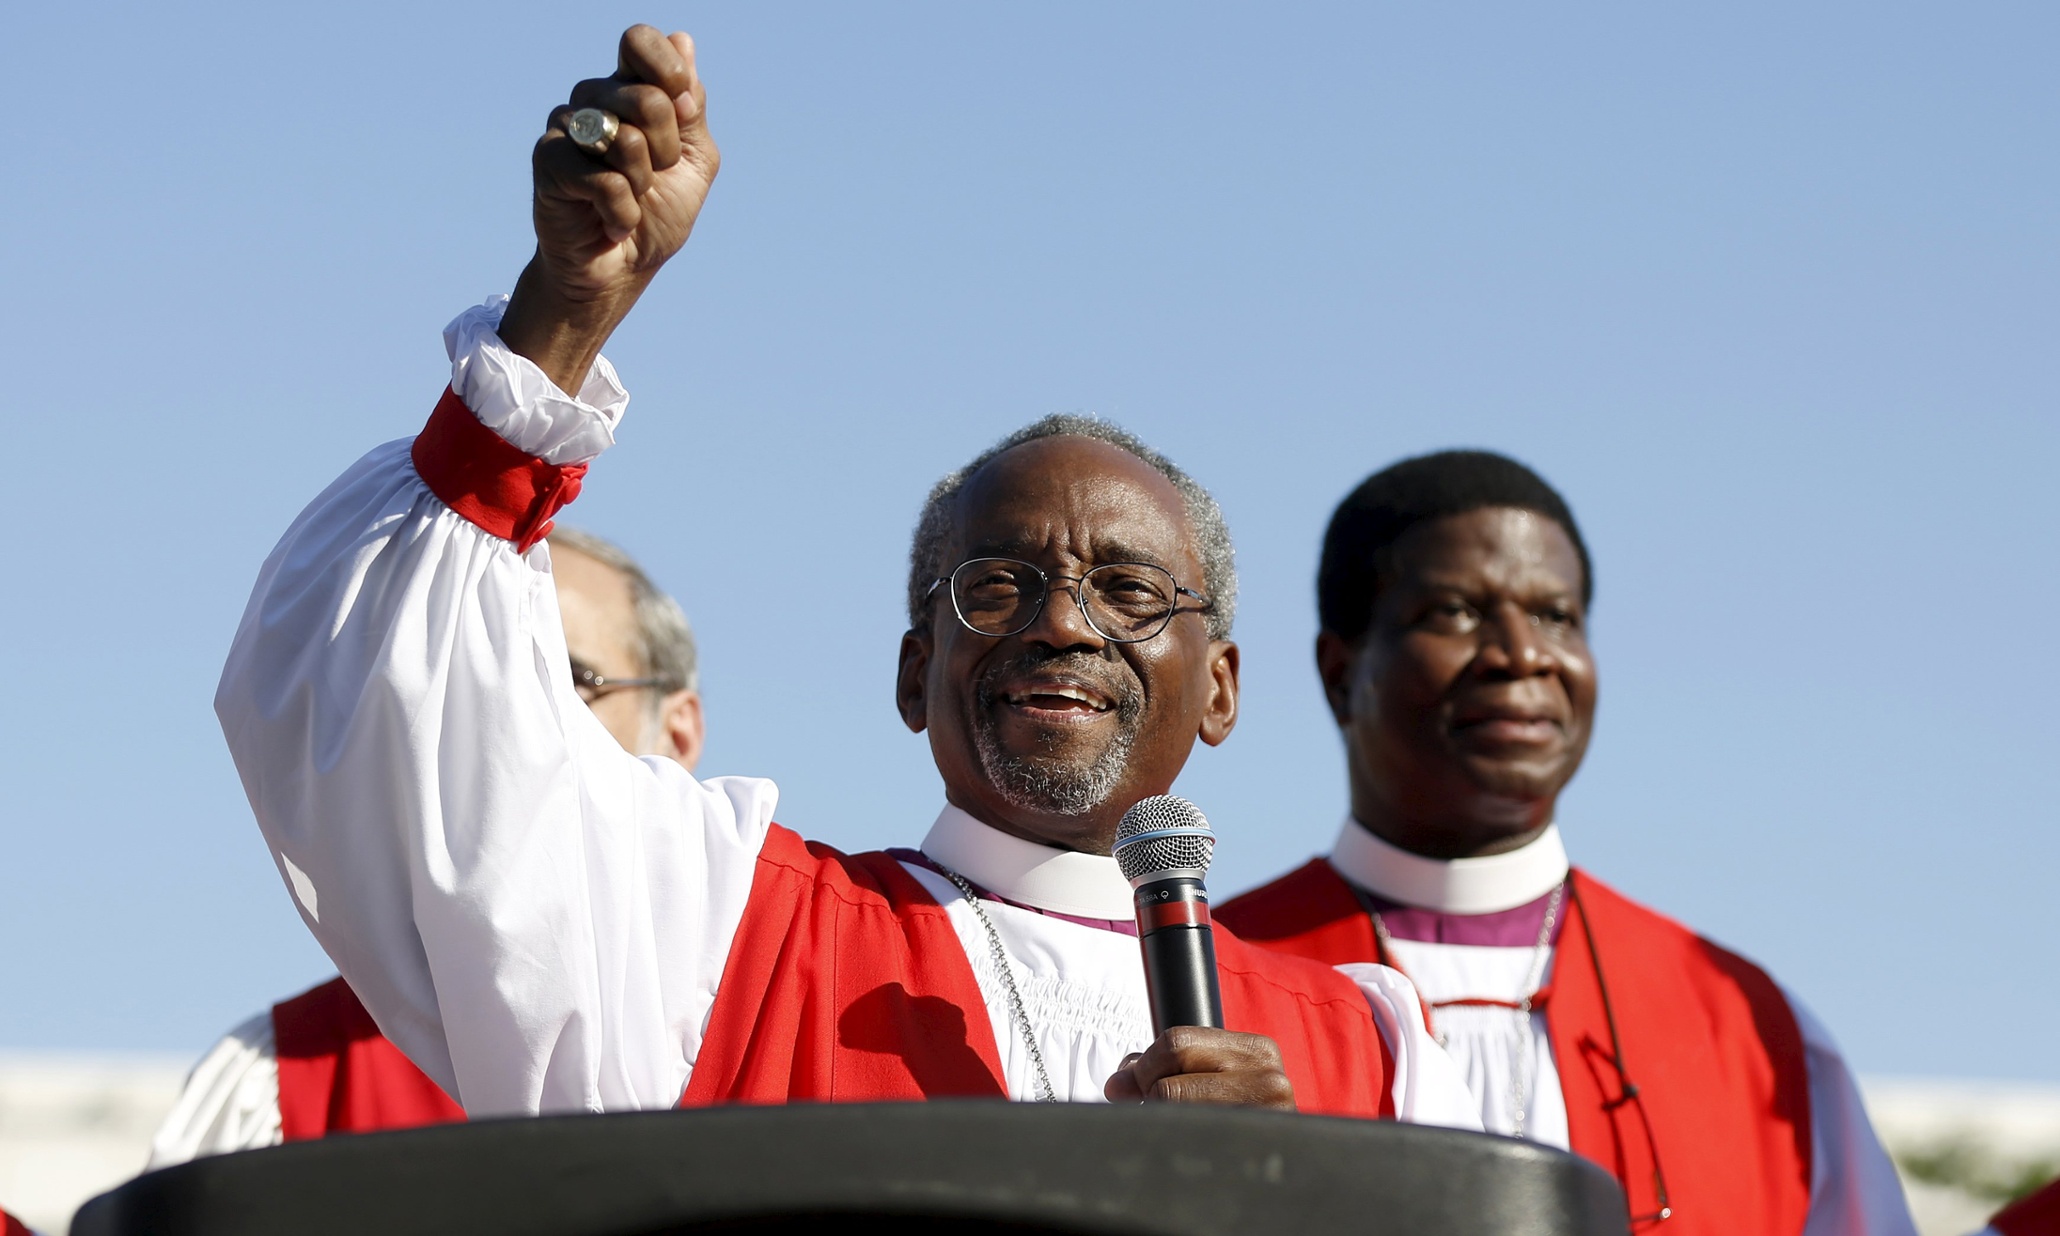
[[316, 1064], [544, 923], [1454, 591]]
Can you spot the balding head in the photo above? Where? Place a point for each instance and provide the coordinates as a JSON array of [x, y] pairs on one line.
[[1210, 535], [1053, 729], [621, 628]]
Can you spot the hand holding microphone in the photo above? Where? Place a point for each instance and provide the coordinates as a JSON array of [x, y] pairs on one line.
[[1163, 847]]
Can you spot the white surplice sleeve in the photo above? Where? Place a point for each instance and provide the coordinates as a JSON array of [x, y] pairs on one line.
[[1428, 1086], [1853, 1186], [537, 918], [230, 1100]]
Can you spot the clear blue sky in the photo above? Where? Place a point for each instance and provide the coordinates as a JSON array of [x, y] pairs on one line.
[[1768, 290]]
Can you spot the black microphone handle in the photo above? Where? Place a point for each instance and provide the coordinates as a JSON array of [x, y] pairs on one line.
[[1179, 954]]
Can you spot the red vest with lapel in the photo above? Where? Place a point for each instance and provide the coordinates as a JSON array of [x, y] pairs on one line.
[[11, 1226], [847, 983], [338, 1074], [1708, 1038]]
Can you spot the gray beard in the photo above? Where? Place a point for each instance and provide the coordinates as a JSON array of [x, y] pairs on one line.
[[1052, 788]]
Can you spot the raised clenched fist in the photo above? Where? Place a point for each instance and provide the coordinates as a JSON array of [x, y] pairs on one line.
[[606, 223]]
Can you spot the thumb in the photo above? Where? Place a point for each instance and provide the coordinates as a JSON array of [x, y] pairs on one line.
[[1122, 1085]]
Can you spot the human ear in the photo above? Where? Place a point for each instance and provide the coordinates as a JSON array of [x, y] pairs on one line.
[[1334, 659], [1221, 716], [909, 697], [684, 727]]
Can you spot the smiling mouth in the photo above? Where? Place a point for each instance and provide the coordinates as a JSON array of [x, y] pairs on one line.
[[1058, 698], [1509, 728]]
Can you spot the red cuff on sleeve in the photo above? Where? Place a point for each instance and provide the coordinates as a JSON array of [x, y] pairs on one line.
[[480, 476]]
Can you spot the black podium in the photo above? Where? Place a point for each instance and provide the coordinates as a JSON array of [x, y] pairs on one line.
[[919, 1167]]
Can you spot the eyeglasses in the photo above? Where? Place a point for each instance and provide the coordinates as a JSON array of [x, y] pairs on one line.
[[1125, 602], [592, 684], [1628, 1091]]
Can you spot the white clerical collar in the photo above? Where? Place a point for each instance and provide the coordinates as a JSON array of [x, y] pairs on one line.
[[1454, 886], [1062, 881]]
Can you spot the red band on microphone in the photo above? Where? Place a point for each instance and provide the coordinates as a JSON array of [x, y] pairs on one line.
[[1177, 913], [491, 483]]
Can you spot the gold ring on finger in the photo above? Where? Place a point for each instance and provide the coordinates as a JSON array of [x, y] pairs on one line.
[[592, 129]]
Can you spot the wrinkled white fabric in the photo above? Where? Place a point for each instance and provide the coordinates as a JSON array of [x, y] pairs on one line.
[[1494, 1049], [513, 398], [1853, 1186], [1503, 1055], [1083, 988], [1428, 1086], [230, 1100], [536, 918]]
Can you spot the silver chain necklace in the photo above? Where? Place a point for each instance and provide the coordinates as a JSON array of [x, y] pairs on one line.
[[1045, 1093], [1519, 1085]]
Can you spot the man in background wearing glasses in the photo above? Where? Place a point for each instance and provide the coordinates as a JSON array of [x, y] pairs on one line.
[[543, 923], [316, 1064], [1454, 591]]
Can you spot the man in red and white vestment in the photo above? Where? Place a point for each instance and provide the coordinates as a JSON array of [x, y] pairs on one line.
[[316, 1064], [544, 923], [1454, 592]]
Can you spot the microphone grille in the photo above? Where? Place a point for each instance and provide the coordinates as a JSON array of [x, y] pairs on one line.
[[1162, 834]]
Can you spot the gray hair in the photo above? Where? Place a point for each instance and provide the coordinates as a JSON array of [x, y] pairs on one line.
[[1211, 535], [664, 641]]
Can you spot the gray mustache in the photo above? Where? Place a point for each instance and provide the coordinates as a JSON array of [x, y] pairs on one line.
[[1120, 687]]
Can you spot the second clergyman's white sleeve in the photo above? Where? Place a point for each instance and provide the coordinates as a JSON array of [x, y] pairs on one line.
[[1854, 1190], [537, 918], [1427, 1087], [230, 1100]]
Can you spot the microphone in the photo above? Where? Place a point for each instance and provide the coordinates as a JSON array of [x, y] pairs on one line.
[[1163, 847]]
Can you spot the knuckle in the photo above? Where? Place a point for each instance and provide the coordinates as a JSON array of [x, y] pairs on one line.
[[635, 41], [1261, 1048], [650, 105], [1277, 1091], [1200, 1050], [557, 158]]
